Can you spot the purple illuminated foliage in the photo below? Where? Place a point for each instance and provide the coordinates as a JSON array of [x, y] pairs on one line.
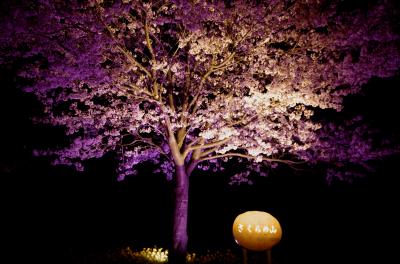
[[187, 84]]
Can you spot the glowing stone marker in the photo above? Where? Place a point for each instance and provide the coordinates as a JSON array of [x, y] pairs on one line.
[[256, 230]]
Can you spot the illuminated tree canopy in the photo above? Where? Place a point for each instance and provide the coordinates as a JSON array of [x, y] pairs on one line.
[[187, 84]]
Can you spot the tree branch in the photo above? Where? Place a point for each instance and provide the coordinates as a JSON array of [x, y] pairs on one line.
[[223, 65], [208, 152], [133, 60], [145, 141], [204, 146], [170, 87], [153, 59], [148, 40], [173, 145], [137, 88], [188, 83], [122, 49], [243, 122], [192, 165], [232, 154]]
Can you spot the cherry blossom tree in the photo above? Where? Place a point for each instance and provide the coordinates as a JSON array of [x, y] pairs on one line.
[[194, 84]]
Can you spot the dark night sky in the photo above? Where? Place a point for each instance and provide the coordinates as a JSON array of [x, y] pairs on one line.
[[55, 214]]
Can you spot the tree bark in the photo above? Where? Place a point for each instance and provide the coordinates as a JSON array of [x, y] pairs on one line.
[[179, 242]]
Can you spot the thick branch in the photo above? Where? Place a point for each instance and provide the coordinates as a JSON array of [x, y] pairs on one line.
[[173, 145], [148, 40], [204, 146], [208, 152], [194, 142], [181, 135], [192, 165]]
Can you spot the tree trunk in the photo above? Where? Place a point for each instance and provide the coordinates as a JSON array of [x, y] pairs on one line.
[[178, 252]]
